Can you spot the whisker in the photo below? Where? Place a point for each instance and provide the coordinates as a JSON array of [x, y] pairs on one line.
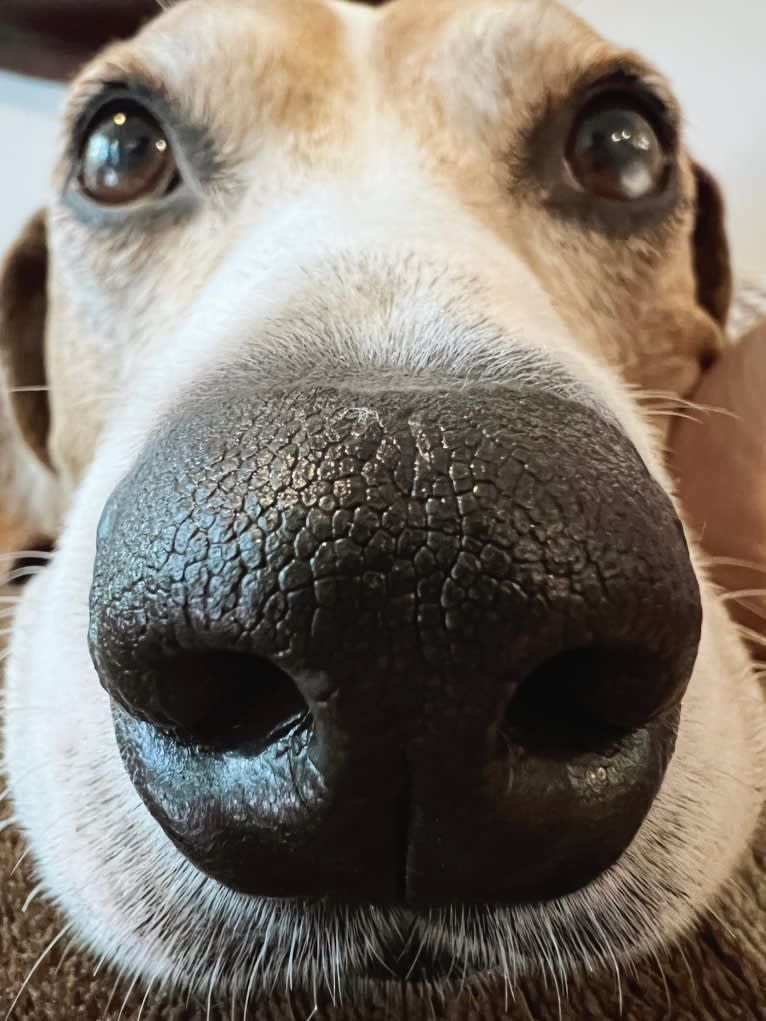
[[145, 1000], [128, 995], [726, 928], [653, 396], [663, 978], [745, 598], [689, 969], [745, 593], [249, 990], [748, 565], [751, 635], [211, 989], [35, 966], [756, 611], [113, 993], [37, 554], [18, 863], [662, 413], [100, 963], [25, 572], [609, 956], [33, 894], [71, 943]]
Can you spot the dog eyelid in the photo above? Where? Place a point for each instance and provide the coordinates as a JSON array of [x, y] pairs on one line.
[[620, 187], [197, 160], [643, 92], [126, 156], [85, 108]]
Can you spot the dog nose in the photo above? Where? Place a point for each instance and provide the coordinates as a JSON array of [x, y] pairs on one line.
[[420, 646]]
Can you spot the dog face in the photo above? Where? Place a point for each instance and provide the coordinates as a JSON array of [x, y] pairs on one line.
[[371, 624]]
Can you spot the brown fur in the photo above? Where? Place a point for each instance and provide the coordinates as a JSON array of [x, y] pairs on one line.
[[23, 290], [628, 301], [718, 974], [462, 107]]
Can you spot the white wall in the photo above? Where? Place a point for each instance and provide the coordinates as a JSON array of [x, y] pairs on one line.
[[715, 53], [27, 143]]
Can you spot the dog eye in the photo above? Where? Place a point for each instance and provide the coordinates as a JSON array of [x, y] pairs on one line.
[[616, 153], [126, 157]]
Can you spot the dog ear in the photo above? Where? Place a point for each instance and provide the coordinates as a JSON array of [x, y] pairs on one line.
[[719, 460], [712, 262], [23, 286], [28, 491]]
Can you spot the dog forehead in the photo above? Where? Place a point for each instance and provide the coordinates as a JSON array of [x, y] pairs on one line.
[[319, 68], [468, 77], [521, 32]]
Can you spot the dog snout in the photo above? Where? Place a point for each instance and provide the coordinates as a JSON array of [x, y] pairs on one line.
[[417, 644]]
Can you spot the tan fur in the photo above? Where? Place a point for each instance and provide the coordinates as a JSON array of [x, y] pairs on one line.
[[369, 183], [463, 102], [630, 301]]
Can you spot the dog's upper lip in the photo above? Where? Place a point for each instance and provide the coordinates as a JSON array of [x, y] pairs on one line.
[[274, 809]]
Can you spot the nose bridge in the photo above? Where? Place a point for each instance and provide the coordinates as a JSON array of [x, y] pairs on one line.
[[319, 529], [393, 264]]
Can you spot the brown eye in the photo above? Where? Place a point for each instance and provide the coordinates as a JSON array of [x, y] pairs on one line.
[[615, 152], [126, 157]]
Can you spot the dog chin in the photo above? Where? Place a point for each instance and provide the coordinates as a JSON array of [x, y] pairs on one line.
[[137, 903], [128, 893]]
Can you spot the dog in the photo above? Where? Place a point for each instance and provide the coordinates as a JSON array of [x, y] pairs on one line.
[[372, 642]]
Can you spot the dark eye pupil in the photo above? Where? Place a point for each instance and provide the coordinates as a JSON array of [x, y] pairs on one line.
[[615, 153], [126, 157]]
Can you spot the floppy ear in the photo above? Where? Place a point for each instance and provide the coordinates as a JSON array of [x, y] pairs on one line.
[[719, 460], [28, 490], [712, 262], [23, 286]]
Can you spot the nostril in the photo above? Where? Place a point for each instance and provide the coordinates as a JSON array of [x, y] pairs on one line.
[[484, 611], [581, 699], [223, 699]]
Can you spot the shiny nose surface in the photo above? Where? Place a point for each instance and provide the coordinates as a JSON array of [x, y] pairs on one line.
[[415, 646]]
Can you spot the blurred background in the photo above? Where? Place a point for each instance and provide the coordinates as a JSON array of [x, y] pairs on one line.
[[714, 52]]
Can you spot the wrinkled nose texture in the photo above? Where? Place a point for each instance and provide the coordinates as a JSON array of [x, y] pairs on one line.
[[410, 645]]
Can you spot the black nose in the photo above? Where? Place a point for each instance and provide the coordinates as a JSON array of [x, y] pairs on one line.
[[424, 646]]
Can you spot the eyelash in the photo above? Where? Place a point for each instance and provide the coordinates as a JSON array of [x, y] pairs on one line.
[[204, 167]]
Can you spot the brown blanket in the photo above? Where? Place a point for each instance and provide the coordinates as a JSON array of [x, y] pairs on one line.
[[718, 975]]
